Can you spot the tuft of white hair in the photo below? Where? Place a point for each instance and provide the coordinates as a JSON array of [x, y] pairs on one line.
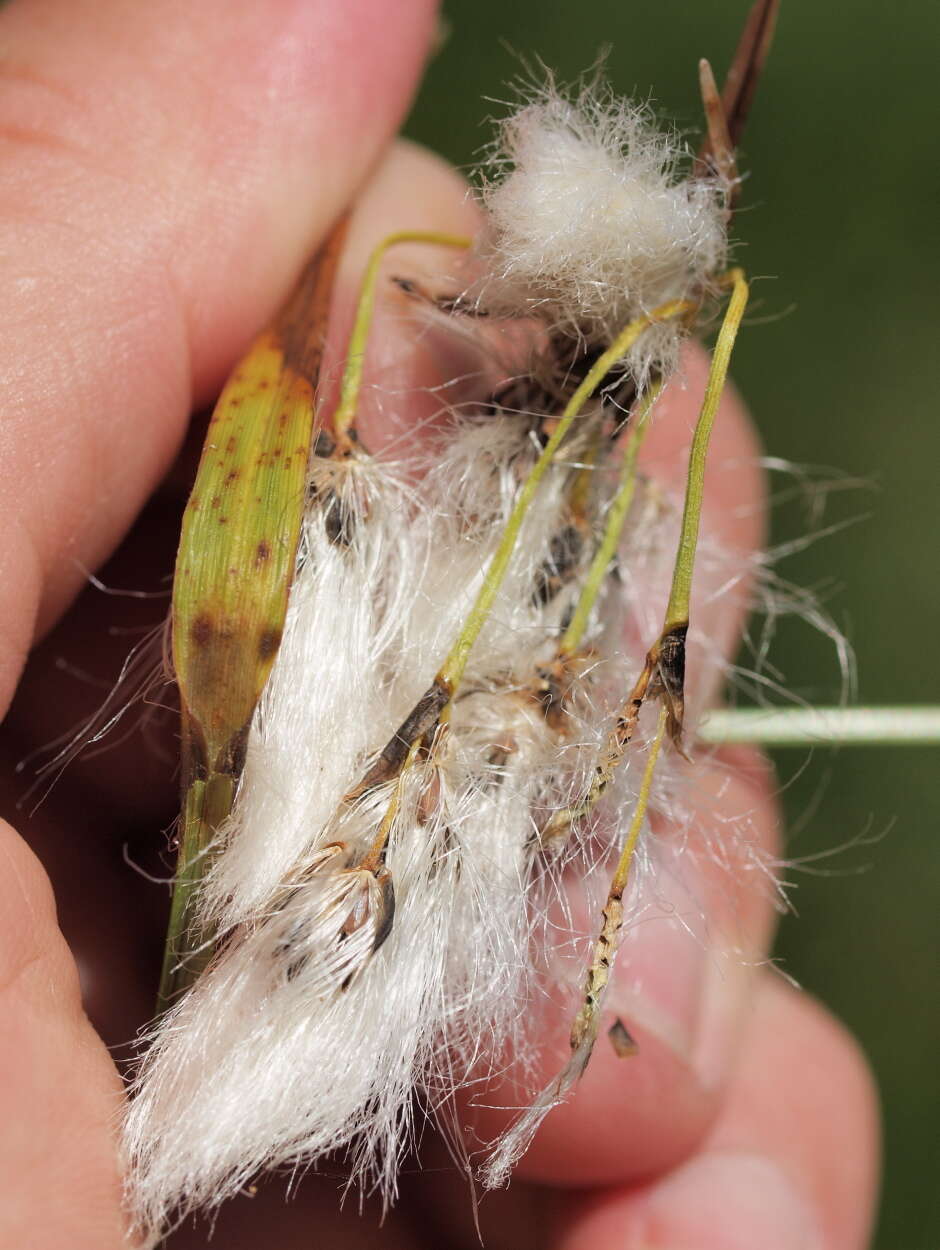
[[327, 1007], [316, 1025], [590, 224]]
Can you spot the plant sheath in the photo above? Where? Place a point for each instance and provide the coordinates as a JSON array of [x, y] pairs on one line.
[[233, 574]]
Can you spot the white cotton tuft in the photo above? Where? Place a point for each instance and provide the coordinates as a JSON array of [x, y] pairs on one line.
[[589, 224], [344, 1002], [338, 993]]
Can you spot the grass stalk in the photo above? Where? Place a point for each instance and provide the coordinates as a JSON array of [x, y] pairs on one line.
[[616, 516], [823, 726]]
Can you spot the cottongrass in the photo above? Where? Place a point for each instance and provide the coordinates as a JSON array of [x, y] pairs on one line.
[[378, 941]]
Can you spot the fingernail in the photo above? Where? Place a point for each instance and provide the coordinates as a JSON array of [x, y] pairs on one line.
[[676, 977], [733, 1201]]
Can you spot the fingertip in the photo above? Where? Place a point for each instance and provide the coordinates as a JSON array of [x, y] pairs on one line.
[[59, 1090], [805, 1095], [633, 1117], [791, 1163], [712, 1202], [28, 908]]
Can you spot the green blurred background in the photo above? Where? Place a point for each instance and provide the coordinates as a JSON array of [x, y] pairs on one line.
[[841, 212]]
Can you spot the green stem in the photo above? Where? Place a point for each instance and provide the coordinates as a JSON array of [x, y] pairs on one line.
[[823, 726], [614, 527], [677, 612], [206, 805], [352, 374]]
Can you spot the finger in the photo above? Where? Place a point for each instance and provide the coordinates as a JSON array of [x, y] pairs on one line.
[[59, 1089], [164, 171], [790, 1165]]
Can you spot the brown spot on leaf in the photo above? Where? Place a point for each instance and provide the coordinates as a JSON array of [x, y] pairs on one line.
[[262, 552], [232, 476], [268, 643], [201, 630]]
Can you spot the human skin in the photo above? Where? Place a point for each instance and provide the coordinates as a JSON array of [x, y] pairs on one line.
[[164, 172]]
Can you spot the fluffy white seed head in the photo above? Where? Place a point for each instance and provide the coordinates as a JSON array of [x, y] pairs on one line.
[[589, 223], [341, 991], [309, 1035]]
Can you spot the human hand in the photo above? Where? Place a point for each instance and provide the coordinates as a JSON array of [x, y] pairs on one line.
[[165, 173]]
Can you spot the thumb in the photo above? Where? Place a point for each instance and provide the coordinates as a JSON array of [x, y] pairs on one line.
[[59, 1091]]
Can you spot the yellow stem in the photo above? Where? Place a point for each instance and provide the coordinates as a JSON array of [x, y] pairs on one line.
[[677, 612], [352, 374], [585, 1025], [452, 670], [571, 639], [619, 880]]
